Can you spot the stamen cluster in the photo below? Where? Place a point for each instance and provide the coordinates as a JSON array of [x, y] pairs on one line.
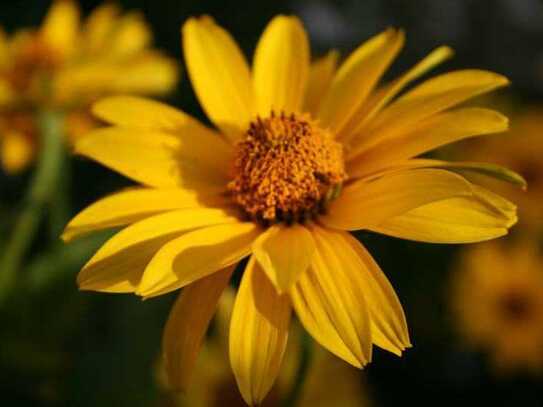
[[286, 169]]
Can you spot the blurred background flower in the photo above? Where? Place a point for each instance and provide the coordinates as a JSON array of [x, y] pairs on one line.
[[497, 299], [65, 348]]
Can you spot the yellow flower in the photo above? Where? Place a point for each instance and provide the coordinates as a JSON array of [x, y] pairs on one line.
[[497, 299], [521, 150], [68, 64], [303, 154], [329, 381]]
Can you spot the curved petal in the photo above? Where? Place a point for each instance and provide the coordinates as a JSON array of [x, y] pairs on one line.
[[196, 255], [384, 95], [281, 66], [482, 217], [141, 113], [487, 169], [149, 73], [61, 26], [130, 35], [258, 334], [369, 203], [357, 77], [157, 158], [432, 96], [284, 253], [321, 74], [432, 133], [187, 325], [113, 262], [219, 74], [331, 306], [388, 324], [131, 206], [98, 26]]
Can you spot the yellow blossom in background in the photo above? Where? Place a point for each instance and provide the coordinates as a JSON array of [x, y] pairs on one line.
[[302, 154], [497, 300], [67, 64], [330, 381], [521, 149]]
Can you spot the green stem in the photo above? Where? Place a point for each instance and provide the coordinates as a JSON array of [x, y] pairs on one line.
[[306, 354], [42, 185]]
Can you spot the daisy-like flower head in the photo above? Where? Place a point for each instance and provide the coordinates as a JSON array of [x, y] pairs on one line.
[[302, 154], [497, 300], [67, 64]]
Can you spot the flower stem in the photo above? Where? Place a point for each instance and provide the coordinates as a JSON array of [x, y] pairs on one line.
[[306, 354], [39, 192]]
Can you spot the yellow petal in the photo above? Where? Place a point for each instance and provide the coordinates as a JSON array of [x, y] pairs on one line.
[[368, 203], [321, 74], [142, 113], [431, 97], [130, 35], [17, 151], [115, 259], [187, 325], [281, 66], [149, 73], [456, 220], [196, 255], [258, 334], [219, 74], [331, 306], [432, 133], [284, 252], [98, 27], [131, 206], [157, 158], [357, 77], [384, 95], [486, 169], [61, 25], [388, 324]]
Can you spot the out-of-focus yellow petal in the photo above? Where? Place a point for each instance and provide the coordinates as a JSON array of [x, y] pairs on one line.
[[481, 217], [16, 151], [131, 206], [219, 74], [129, 36], [388, 324], [384, 95], [149, 73], [187, 325], [432, 96], [196, 255], [159, 159], [98, 26], [61, 26], [432, 133], [258, 334], [321, 74], [281, 66], [331, 306], [368, 203], [357, 77], [145, 238], [284, 252]]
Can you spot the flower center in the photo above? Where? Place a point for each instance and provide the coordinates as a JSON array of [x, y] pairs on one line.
[[287, 169]]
